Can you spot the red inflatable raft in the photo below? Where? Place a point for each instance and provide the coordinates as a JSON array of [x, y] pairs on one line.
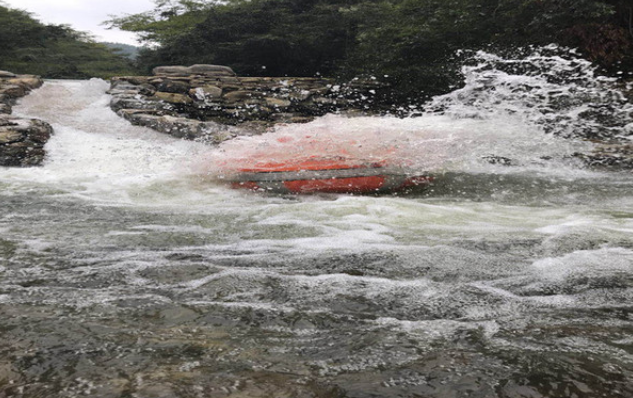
[[330, 175]]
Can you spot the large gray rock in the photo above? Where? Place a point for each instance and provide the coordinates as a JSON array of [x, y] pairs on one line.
[[171, 71], [211, 70], [180, 127], [200, 69], [22, 141], [200, 94]]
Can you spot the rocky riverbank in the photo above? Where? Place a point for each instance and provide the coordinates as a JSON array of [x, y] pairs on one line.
[[21, 140], [212, 103]]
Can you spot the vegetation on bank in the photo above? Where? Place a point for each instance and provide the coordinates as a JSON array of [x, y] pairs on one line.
[[28, 46], [411, 44]]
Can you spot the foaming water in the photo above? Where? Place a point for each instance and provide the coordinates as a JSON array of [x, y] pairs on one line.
[[128, 268], [432, 144], [95, 153]]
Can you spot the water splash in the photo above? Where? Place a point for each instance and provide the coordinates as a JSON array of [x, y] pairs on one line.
[[533, 112], [551, 88]]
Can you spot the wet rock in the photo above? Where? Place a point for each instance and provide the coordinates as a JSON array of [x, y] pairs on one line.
[[200, 69], [173, 86], [13, 90], [181, 127], [206, 93], [172, 98], [213, 93], [241, 96], [609, 156], [157, 391], [492, 159], [22, 141], [213, 70], [170, 71], [133, 102], [277, 102], [28, 82]]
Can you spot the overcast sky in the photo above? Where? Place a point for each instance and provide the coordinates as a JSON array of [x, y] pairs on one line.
[[85, 15]]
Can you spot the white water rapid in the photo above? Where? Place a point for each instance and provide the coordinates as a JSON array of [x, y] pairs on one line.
[[127, 267]]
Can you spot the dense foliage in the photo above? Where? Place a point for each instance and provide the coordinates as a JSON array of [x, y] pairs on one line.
[[410, 43], [53, 51]]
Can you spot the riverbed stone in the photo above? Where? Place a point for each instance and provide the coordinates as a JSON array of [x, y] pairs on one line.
[[172, 98], [277, 102], [13, 90], [8, 136], [609, 156], [241, 96], [21, 140], [177, 70], [29, 82], [211, 70], [210, 92], [213, 93], [173, 86], [180, 127]]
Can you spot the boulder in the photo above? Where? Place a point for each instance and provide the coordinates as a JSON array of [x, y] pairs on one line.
[[180, 127], [277, 102], [173, 86], [172, 98], [29, 82], [241, 96], [212, 93], [13, 90], [211, 70], [119, 102], [136, 80], [170, 71], [22, 141], [199, 69]]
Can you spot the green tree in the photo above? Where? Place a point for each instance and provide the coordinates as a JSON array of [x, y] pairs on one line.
[[53, 51], [410, 43]]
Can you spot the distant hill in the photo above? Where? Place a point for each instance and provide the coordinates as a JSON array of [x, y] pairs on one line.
[[127, 50], [28, 46]]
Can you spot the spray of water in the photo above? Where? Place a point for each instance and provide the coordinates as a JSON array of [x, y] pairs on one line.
[[531, 112], [549, 87]]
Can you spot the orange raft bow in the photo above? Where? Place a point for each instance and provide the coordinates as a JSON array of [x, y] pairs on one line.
[[329, 175]]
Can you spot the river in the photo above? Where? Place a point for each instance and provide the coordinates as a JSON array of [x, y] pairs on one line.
[[128, 270]]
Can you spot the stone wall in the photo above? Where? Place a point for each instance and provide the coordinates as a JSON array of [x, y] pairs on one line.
[[21, 140], [209, 102]]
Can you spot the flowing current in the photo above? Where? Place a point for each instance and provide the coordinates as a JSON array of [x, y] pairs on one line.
[[128, 269]]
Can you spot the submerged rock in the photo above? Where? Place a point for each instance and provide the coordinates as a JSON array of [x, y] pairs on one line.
[[610, 156]]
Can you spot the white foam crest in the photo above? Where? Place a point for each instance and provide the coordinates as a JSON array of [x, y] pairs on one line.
[[433, 143], [551, 88], [438, 328], [94, 152], [585, 263]]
